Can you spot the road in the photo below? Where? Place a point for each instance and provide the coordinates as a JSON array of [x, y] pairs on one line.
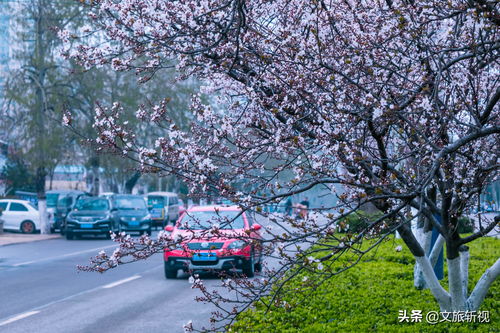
[[42, 291]]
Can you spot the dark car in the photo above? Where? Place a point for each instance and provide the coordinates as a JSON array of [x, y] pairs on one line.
[[132, 213], [59, 204], [91, 216]]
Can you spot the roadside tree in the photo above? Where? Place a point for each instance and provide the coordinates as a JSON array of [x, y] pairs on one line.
[[36, 89], [397, 101]]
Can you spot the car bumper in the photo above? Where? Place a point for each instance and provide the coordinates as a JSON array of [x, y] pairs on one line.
[[222, 263], [159, 222], [141, 227], [88, 231], [96, 228]]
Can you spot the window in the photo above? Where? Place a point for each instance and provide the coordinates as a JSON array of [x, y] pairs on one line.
[[3, 205], [155, 202], [206, 219], [52, 199], [130, 203], [65, 202], [250, 219], [17, 207], [92, 204]]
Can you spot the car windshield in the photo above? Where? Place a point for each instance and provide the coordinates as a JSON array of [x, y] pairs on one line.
[[155, 202], [64, 202], [130, 203], [92, 204], [52, 199], [205, 220]]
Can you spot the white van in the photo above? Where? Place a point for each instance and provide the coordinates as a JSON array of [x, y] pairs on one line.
[[163, 207]]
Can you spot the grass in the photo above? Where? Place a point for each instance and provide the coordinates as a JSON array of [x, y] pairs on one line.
[[368, 297]]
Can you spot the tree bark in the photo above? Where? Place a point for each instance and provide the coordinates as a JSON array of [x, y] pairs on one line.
[[436, 249], [464, 267], [440, 294], [477, 295], [131, 182], [455, 283]]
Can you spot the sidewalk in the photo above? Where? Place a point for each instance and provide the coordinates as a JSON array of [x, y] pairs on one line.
[[8, 238]]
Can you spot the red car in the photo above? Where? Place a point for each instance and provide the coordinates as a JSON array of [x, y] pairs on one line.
[[214, 238]]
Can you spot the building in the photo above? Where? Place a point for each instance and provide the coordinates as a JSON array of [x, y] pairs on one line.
[[67, 177], [5, 40]]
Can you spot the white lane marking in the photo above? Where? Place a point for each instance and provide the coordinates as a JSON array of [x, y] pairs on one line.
[[18, 317], [117, 283], [41, 307], [64, 255]]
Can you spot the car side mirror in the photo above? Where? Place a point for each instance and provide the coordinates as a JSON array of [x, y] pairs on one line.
[[256, 227], [169, 228]]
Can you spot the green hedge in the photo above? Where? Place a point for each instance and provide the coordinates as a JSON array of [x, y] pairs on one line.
[[465, 225], [358, 221], [368, 297]]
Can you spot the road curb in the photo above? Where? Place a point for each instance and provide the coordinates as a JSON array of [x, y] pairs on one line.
[[7, 239]]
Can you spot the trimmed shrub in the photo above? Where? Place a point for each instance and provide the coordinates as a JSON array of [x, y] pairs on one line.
[[358, 221], [465, 225], [368, 297]]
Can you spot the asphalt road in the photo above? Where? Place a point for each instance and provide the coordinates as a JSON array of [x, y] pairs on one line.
[[42, 291]]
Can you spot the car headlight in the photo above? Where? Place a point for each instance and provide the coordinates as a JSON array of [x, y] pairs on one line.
[[147, 217], [237, 244]]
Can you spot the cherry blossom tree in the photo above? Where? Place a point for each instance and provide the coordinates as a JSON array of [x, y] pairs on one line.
[[396, 101]]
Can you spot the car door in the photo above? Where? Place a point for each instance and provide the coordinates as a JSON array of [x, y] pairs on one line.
[[18, 212]]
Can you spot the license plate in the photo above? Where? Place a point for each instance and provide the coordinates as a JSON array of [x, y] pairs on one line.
[[157, 213], [204, 257], [133, 224], [87, 225]]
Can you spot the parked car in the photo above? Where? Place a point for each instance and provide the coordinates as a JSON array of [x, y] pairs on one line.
[[20, 215], [182, 207], [59, 204], [236, 246], [163, 207], [107, 195], [91, 215], [131, 213]]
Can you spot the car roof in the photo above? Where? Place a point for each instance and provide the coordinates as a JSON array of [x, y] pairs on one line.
[[15, 200], [213, 208], [127, 196], [165, 194], [94, 198], [64, 191]]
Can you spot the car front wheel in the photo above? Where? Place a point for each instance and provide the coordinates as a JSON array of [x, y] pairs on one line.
[[249, 267], [170, 273]]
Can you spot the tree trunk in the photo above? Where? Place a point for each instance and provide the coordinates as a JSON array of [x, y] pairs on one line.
[[42, 202], [94, 181], [131, 182], [455, 283], [477, 295], [424, 237]]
